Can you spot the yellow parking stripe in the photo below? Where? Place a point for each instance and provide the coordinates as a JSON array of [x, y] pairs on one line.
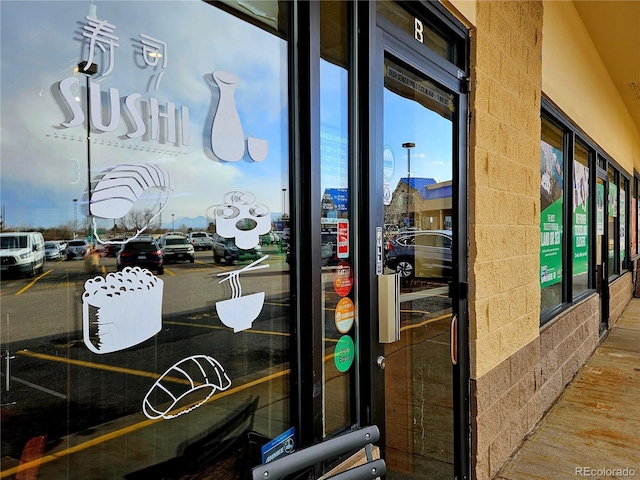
[[129, 429], [422, 324], [34, 281], [98, 366]]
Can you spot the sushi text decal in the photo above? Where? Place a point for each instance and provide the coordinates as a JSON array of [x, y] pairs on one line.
[[124, 309], [147, 119]]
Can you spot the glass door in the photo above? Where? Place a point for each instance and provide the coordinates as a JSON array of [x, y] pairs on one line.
[[602, 247], [419, 217]]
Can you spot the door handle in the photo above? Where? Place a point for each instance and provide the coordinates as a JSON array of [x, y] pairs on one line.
[[454, 340]]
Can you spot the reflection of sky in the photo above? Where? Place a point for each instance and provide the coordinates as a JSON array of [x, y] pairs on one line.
[[405, 121], [37, 185], [334, 126]]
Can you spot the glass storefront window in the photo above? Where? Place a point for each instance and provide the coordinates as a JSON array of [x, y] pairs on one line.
[[551, 218], [580, 219], [339, 315], [622, 212], [633, 220], [154, 340], [612, 215]]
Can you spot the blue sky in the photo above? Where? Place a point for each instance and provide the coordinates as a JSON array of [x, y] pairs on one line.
[[44, 165], [38, 183], [408, 121]]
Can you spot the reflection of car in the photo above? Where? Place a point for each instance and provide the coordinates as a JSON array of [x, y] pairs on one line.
[[268, 238], [176, 247], [200, 240], [112, 245], [328, 249], [22, 252], [225, 249], [77, 249], [142, 252], [63, 246], [52, 250], [285, 235], [422, 253]]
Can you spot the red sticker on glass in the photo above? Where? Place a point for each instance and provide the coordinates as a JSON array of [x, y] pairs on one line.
[[342, 280]]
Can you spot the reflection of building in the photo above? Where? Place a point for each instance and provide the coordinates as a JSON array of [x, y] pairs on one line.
[[331, 88], [422, 203]]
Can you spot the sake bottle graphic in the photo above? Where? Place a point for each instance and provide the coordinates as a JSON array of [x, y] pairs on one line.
[[227, 136]]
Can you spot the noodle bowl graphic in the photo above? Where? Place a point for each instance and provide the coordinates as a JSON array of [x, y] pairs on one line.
[[196, 374], [239, 312]]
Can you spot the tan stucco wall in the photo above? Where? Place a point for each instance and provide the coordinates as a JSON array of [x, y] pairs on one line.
[[504, 184], [465, 10], [575, 79]]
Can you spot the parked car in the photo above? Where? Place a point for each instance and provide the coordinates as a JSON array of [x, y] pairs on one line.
[[200, 240], [422, 253], [142, 252], [22, 252], [225, 249], [268, 238], [328, 249], [77, 249], [285, 235], [110, 246], [52, 250], [63, 247], [176, 247]]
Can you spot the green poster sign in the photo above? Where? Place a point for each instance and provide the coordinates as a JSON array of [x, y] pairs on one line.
[[613, 197], [599, 209], [623, 219], [580, 239], [551, 244]]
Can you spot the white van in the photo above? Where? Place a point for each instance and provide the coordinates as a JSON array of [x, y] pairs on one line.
[[21, 252]]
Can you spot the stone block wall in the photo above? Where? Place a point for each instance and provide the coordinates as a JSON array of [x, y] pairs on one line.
[[566, 343], [504, 226], [510, 399], [620, 293]]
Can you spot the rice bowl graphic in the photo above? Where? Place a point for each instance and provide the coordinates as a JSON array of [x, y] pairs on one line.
[[239, 311], [184, 387]]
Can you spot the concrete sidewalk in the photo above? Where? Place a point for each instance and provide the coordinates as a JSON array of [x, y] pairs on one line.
[[593, 429]]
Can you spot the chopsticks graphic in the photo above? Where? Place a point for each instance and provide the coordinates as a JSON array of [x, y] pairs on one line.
[[244, 269]]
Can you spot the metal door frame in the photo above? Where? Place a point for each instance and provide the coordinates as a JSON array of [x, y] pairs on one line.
[[602, 283], [395, 42]]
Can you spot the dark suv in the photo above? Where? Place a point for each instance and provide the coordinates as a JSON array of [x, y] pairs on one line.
[[421, 253], [142, 252]]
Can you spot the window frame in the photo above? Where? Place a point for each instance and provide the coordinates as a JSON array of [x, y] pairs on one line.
[[598, 160]]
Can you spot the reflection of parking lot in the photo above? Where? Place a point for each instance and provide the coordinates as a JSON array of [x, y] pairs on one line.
[[51, 303], [53, 376]]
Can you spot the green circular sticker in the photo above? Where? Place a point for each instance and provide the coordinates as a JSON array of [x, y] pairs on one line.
[[345, 351]]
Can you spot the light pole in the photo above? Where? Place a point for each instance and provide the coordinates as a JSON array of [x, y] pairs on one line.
[[90, 70], [408, 146], [173, 219], [284, 208], [75, 217]]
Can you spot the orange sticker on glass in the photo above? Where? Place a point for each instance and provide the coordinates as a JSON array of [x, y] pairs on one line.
[[345, 315], [342, 281]]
